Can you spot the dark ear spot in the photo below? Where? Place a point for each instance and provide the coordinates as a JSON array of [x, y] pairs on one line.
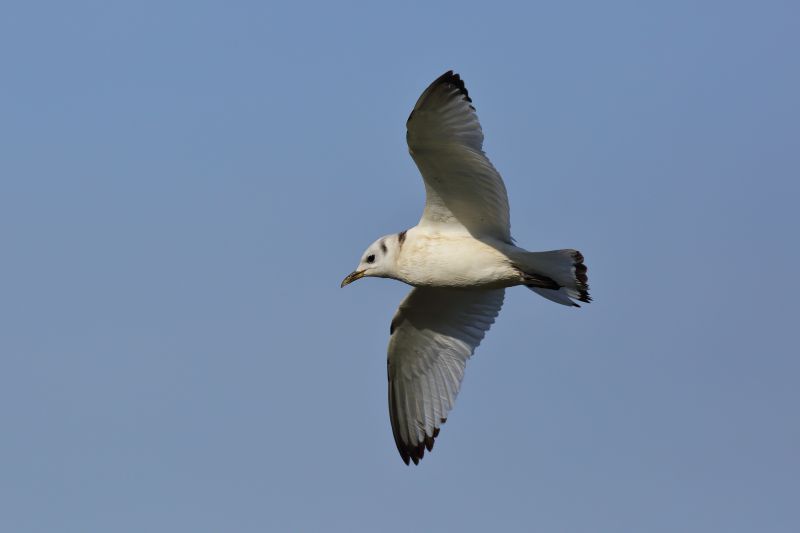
[[383, 247]]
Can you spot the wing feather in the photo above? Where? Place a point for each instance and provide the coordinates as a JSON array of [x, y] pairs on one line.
[[435, 331], [463, 189]]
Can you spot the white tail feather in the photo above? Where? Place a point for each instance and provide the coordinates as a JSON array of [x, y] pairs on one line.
[[564, 267]]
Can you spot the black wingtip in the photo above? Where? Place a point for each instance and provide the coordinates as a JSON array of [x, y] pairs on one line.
[[449, 80], [415, 452], [428, 442], [453, 79]]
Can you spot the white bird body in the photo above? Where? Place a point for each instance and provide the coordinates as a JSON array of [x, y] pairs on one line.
[[459, 259], [455, 260]]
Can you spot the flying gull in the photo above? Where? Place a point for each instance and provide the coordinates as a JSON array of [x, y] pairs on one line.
[[459, 259]]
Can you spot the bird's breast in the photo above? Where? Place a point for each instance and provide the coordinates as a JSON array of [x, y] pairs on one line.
[[454, 261]]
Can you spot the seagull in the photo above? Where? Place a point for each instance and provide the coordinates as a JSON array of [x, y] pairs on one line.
[[459, 259]]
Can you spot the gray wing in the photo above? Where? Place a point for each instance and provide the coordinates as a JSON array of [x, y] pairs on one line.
[[433, 334], [463, 190]]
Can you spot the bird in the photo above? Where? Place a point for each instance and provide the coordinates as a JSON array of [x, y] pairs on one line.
[[459, 259]]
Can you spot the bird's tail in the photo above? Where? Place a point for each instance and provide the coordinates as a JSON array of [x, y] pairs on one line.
[[558, 275]]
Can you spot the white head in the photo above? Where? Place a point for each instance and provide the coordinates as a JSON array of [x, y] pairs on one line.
[[379, 259]]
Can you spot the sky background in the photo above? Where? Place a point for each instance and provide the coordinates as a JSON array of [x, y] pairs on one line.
[[183, 185]]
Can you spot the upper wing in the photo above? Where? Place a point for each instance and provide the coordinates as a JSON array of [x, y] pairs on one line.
[[433, 334], [461, 185]]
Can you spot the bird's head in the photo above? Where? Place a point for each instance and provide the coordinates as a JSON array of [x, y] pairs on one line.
[[377, 261]]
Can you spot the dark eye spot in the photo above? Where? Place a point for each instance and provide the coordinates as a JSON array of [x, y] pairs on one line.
[[370, 259]]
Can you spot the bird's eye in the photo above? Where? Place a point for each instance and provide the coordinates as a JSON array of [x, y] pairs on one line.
[[370, 259]]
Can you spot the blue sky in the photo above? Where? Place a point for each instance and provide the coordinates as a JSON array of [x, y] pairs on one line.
[[183, 185]]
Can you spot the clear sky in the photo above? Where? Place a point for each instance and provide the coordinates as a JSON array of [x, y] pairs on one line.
[[183, 185]]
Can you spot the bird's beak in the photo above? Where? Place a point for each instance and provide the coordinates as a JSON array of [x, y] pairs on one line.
[[358, 274]]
